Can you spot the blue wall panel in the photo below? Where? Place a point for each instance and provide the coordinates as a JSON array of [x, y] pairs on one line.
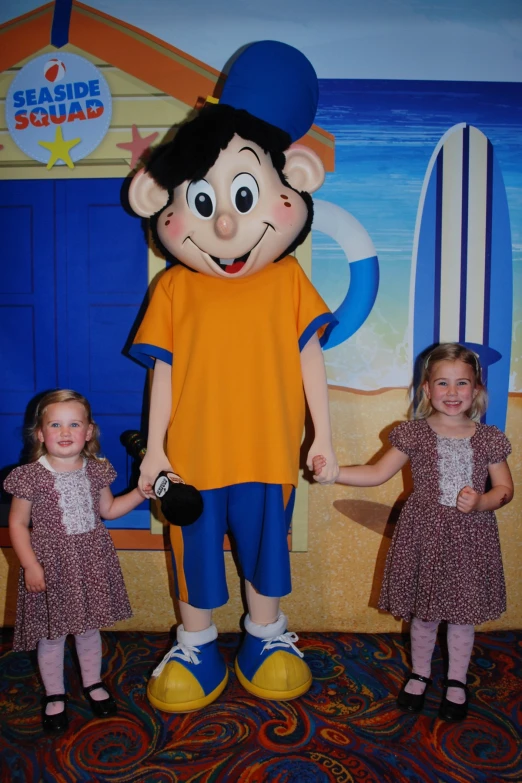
[[75, 275]]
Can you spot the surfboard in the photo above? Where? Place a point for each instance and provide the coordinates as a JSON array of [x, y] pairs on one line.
[[462, 266]]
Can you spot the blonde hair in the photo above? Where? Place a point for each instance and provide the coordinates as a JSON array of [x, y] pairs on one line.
[[37, 448], [451, 352]]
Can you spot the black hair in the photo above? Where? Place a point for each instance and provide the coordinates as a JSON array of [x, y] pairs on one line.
[[198, 144]]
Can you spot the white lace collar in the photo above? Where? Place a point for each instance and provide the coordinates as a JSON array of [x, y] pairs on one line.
[[45, 462]]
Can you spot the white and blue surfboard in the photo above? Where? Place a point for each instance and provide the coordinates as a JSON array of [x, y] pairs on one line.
[[462, 270]]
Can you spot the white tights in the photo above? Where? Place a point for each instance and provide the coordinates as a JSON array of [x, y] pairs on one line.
[[460, 646], [50, 653]]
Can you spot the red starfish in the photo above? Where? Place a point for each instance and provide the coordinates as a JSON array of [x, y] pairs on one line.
[[137, 146]]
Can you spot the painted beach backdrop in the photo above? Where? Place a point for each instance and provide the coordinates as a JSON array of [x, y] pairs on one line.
[[385, 133]]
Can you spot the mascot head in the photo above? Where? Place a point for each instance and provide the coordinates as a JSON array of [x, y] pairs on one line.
[[230, 193]]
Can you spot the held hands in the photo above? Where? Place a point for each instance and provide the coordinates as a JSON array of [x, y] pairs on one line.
[[34, 578], [468, 500], [318, 463], [323, 462], [141, 492], [151, 465]]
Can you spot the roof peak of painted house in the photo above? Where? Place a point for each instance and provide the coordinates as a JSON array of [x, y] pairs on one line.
[[128, 48]]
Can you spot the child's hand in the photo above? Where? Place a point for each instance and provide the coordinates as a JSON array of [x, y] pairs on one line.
[[34, 578], [468, 500], [325, 470], [150, 468], [141, 492], [318, 463]]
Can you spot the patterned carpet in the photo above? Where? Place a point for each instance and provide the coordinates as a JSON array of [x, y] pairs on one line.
[[346, 729]]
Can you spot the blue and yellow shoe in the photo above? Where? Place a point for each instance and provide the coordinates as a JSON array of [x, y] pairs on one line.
[[268, 663], [192, 674]]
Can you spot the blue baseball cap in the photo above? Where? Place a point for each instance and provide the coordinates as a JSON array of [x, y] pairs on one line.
[[276, 83]]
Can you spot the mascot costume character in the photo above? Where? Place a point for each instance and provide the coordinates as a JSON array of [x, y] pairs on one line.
[[233, 332]]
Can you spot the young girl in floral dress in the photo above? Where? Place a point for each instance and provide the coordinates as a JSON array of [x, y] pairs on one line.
[[444, 561], [70, 576]]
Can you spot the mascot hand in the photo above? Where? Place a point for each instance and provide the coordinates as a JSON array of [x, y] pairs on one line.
[[151, 465], [322, 460]]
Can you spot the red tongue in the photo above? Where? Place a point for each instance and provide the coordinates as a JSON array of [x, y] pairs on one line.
[[231, 269]]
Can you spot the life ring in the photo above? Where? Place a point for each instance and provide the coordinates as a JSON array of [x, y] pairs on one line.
[[345, 229]]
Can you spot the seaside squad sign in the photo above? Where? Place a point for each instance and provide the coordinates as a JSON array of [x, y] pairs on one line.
[[58, 109]]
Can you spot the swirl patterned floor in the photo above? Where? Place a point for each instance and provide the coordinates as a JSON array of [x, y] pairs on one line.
[[346, 729]]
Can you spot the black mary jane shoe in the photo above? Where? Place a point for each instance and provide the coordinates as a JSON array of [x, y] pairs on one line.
[[450, 710], [104, 707], [55, 724], [412, 702]]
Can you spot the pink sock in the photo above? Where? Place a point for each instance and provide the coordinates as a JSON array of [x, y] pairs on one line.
[[89, 649], [50, 662], [460, 647], [423, 638]]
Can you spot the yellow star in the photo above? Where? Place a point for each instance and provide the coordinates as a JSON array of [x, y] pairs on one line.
[[59, 149]]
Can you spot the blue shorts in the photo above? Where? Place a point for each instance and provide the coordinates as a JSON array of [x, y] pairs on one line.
[[257, 518]]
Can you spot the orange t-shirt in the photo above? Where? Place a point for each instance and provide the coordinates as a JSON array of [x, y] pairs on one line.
[[237, 395]]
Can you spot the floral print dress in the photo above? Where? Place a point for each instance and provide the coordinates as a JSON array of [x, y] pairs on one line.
[[84, 583], [443, 564]]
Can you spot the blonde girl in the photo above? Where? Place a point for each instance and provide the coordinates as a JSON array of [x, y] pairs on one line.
[[70, 578], [444, 562]]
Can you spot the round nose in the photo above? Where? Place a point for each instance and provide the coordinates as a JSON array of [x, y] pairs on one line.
[[225, 226]]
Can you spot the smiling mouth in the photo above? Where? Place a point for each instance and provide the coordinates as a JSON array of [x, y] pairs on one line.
[[233, 265]]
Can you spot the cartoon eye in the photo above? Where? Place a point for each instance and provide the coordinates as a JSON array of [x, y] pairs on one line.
[[244, 193], [201, 199]]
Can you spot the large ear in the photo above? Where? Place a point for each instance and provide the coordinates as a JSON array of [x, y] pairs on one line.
[[303, 169], [145, 195]]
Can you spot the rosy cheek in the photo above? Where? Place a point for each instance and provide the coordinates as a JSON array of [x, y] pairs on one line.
[[284, 214], [171, 226]]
